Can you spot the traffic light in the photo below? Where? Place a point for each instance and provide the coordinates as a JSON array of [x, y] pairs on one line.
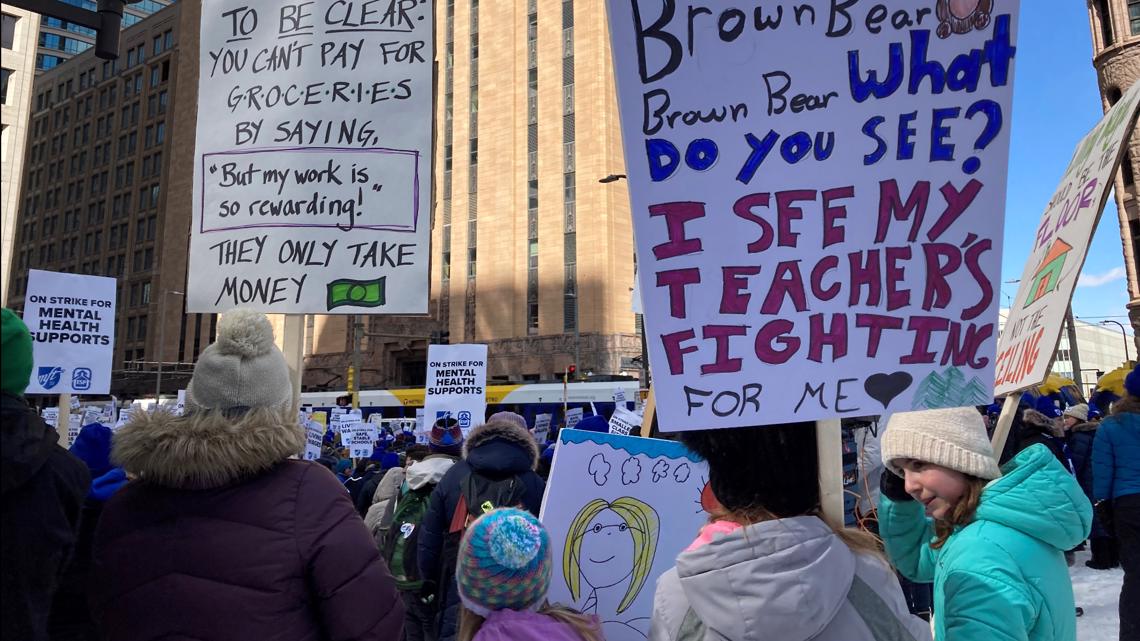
[[571, 372]]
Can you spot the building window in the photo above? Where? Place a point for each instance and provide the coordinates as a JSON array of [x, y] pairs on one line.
[[1105, 22], [7, 30], [1134, 16], [5, 74]]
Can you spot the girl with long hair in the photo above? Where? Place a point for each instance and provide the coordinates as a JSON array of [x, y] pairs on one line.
[[503, 577], [992, 540]]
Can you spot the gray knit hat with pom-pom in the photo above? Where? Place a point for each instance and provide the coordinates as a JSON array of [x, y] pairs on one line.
[[243, 369]]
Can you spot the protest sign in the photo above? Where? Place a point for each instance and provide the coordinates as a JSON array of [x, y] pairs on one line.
[[423, 436], [124, 417], [314, 439], [72, 321], [573, 417], [92, 415], [823, 239], [619, 396], [107, 417], [75, 402], [624, 422], [359, 439], [74, 424], [1059, 248], [542, 427], [599, 482], [312, 173], [50, 415], [180, 404], [456, 384]]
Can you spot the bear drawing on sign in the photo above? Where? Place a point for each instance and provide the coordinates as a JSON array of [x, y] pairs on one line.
[[610, 547], [963, 16]]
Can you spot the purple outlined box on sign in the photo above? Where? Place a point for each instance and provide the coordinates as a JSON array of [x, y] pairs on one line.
[[374, 188]]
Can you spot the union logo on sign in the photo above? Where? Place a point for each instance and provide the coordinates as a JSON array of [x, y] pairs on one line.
[[48, 377], [81, 378]]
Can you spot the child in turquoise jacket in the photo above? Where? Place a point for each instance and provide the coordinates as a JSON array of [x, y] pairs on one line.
[[991, 540]]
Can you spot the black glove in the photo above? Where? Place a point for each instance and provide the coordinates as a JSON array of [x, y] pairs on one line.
[[893, 487], [1104, 514]]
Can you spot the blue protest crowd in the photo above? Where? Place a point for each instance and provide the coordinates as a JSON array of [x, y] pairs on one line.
[[207, 525]]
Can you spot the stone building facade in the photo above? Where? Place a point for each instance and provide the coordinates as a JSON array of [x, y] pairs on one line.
[[17, 66], [1116, 56]]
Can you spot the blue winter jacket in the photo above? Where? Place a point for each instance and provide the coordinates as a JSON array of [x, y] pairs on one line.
[[1002, 577], [1116, 455]]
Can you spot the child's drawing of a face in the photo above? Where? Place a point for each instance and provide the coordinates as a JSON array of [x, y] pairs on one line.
[[607, 548]]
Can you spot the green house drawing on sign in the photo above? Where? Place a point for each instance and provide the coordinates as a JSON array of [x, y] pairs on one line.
[[1048, 273]]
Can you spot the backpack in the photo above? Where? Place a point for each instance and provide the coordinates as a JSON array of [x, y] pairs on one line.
[[401, 540]]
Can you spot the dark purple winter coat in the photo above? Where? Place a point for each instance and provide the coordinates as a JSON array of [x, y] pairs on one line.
[[222, 537]]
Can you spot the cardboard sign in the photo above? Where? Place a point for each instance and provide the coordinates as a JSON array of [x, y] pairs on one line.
[[50, 415], [624, 422], [314, 439], [573, 417], [598, 483], [456, 385], [817, 201], [1060, 246], [72, 321], [312, 173], [542, 427]]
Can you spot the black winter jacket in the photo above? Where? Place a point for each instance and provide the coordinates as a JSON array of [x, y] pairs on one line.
[[43, 487], [496, 450]]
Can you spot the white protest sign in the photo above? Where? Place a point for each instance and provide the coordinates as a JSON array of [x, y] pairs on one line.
[[107, 417], [423, 437], [72, 321], [314, 439], [456, 385], [619, 396], [50, 415], [124, 417], [1060, 246], [180, 405], [92, 415], [573, 417], [598, 483], [75, 402], [817, 200], [359, 440], [312, 173], [74, 424], [542, 427], [623, 421]]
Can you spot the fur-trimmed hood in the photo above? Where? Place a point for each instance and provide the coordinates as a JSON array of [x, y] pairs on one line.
[[1089, 426], [1034, 419], [505, 432], [205, 449]]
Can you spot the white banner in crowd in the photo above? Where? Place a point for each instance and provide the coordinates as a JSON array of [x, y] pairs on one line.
[[619, 510], [624, 422], [312, 172], [456, 385], [72, 321], [817, 200], [542, 427], [573, 417], [1060, 246], [50, 415], [74, 425]]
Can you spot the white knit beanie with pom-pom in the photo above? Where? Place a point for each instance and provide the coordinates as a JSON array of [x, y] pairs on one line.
[[243, 369]]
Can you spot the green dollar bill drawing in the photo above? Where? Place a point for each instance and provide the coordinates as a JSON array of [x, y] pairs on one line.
[[355, 293]]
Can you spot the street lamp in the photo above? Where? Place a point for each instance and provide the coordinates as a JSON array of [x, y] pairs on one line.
[[612, 178], [1127, 358], [162, 344]]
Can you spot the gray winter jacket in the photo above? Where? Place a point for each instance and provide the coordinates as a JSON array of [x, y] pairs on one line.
[[784, 580]]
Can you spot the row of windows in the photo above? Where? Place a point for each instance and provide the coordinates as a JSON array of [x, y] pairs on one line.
[[135, 55]]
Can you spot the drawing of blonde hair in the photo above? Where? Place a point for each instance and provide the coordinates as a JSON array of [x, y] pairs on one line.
[[641, 520]]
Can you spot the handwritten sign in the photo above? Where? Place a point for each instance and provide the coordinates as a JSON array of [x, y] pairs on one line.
[[817, 199], [72, 321], [598, 483], [456, 384], [312, 174], [1060, 246]]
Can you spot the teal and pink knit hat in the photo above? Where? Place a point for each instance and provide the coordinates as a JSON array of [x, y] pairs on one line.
[[504, 563]]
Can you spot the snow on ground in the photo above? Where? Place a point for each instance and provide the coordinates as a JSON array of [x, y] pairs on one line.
[[1098, 592]]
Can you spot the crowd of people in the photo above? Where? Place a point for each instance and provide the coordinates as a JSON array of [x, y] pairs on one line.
[[208, 526]]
